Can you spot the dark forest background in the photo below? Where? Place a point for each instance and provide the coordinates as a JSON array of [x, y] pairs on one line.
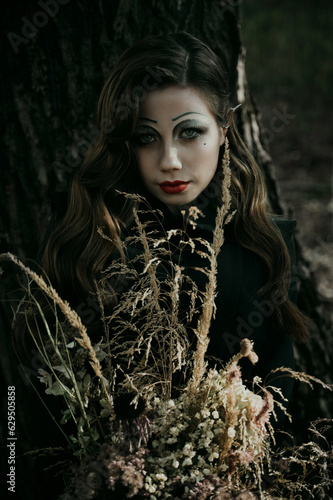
[[290, 67], [51, 77]]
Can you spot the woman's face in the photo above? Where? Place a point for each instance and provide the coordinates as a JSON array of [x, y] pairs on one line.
[[177, 144]]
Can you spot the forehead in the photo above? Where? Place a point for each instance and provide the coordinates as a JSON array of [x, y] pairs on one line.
[[173, 101]]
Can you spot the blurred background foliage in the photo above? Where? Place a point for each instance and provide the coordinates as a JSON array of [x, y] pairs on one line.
[[289, 60], [290, 67], [289, 50]]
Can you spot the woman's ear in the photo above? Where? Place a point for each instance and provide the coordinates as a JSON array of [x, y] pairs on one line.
[[224, 128], [223, 133], [230, 117]]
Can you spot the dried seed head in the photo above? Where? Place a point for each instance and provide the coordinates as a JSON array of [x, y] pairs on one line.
[[246, 351]]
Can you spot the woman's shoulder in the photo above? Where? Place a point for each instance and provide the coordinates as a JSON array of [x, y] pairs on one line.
[[285, 226]]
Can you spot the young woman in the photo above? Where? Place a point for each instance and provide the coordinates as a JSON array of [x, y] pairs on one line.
[[165, 118]]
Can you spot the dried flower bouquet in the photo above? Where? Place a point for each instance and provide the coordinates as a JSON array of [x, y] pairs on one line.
[[139, 433]]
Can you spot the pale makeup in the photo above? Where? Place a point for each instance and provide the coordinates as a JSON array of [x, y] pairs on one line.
[[177, 144]]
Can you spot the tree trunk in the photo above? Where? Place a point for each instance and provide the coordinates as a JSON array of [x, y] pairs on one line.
[[55, 57]]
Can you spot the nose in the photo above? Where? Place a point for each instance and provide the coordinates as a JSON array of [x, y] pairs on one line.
[[170, 159]]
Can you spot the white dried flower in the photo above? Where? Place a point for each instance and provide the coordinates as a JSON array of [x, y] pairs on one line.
[[231, 432], [212, 456], [161, 477], [187, 448]]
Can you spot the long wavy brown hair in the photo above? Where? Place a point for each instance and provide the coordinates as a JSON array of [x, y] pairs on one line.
[[76, 253]]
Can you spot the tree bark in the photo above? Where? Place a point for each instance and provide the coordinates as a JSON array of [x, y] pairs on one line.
[[54, 64]]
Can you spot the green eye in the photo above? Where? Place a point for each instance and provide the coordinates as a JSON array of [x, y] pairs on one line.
[[191, 133], [144, 139]]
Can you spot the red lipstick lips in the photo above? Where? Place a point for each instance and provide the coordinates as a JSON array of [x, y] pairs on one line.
[[174, 187]]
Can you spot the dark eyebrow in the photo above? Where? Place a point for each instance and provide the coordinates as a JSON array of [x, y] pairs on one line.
[[188, 113], [148, 120]]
